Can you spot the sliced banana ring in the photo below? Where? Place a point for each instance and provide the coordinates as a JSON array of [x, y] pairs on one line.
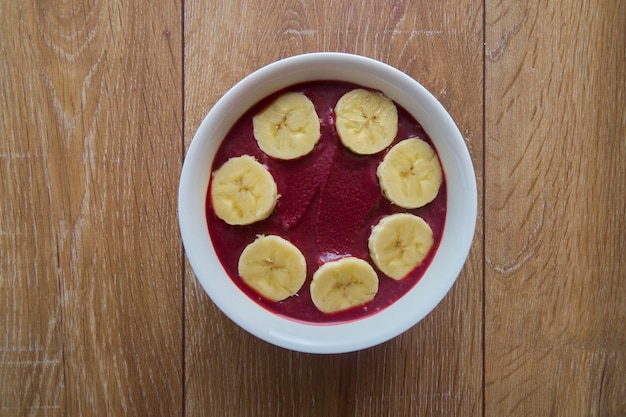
[[243, 191], [366, 121], [343, 284], [273, 267], [399, 243], [288, 128], [410, 174]]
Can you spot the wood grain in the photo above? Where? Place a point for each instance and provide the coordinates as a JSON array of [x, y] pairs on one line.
[[436, 367], [101, 315], [90, 289], [555, 138]]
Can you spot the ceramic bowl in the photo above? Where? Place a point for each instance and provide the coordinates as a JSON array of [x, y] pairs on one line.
[[447, 262]]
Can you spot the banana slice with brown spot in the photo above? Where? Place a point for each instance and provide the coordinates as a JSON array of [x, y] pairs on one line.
[[288, 128], [273, 267], [243, 191], [410, 174], [342, 284], [366, 121], [399, 243]]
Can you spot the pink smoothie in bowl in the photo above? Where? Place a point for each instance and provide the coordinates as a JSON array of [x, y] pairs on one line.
[[329, 201]]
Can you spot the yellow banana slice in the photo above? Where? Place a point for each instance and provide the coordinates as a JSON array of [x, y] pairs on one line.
[[410, 174], [399, 243], [343, 284], [288, 128], [273, 267], [366, 121], [243, 191]]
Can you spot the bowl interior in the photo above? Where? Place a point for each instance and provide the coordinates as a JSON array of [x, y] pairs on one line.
[[447, 262]]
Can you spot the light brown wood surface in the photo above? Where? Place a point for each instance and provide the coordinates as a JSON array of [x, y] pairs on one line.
[[100, 313], [555, 209]]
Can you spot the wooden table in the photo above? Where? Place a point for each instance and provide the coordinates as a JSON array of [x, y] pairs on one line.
[[100, 313]]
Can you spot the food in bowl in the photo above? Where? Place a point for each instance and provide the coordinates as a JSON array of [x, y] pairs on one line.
[[442, 265], [347, 200]]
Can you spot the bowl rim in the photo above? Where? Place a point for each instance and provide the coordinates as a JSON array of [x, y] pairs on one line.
[[439, 276]]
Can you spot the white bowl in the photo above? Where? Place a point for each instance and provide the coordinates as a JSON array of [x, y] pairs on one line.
[[447, 262]]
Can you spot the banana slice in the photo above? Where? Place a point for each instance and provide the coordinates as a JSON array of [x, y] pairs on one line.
[[343, 284], [243, 191], [410, 174], [288, 128], [273, 267], [399, 243], [366, 121]]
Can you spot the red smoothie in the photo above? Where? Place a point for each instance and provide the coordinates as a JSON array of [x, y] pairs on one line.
[[329, 201]]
